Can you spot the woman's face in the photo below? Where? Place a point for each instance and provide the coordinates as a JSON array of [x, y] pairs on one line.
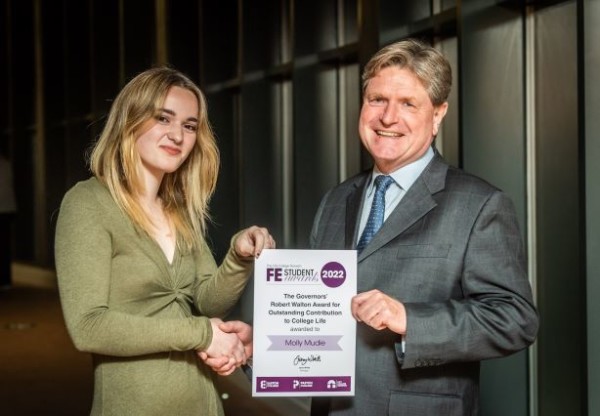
[[167, 139]]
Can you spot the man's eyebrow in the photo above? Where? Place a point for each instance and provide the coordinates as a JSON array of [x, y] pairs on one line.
[[171, 112]]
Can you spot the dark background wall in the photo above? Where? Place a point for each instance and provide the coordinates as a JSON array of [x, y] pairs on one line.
[[282, 79]]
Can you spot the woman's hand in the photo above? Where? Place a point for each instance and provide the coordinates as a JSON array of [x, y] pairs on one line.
[[226, 347], [251, 241], [223, 365]]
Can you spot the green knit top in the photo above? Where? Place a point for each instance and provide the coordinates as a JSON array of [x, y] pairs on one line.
[[140, 316]]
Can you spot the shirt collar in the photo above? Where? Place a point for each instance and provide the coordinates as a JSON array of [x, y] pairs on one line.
[[406, 175]]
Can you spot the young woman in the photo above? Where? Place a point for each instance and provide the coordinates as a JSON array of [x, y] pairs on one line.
[[139, 287]]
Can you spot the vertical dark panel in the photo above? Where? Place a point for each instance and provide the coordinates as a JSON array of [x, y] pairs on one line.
[[53, 48], [219, 40], [561, 281], [77, 57], [493, 145], [78, 88], [257, 24], [53, 40], [5, 74], [395, 13], [222, 109], [591, 59], [350, 19], [105, 46], [78, 83], [315, 26], [448, 4], [23, 76], [183, 36], [139, 49], [261, 185], [316, 149]]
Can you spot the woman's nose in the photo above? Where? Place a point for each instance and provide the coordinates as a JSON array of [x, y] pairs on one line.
[[175, 134]]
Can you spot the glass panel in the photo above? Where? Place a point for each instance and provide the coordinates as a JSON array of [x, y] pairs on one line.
[[447, 4], [105, 59], [23, 81], [261, 177], [139, 36], [315, 26], [219, 40], [447, 141], [316, 150], [394, 13], [349, 21], [350, 103], [262, 34], [561, 285], [53, 38], [591, 29], [5, 82], [493, 143], [224, 207], [77, 64], [183, 36]]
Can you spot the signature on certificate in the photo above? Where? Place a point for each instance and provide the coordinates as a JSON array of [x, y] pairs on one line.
[[300, 360]]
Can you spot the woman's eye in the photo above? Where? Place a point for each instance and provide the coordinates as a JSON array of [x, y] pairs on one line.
[[191, 127], [162, 119]]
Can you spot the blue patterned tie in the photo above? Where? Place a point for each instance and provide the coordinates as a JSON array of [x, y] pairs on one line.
[[375, 221]]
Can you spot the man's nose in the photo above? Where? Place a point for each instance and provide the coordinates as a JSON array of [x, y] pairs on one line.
[[389, 114]]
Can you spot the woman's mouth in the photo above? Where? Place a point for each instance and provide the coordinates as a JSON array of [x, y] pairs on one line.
[[173, 151]]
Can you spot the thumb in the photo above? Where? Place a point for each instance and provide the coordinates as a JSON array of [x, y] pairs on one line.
[[229, 326]]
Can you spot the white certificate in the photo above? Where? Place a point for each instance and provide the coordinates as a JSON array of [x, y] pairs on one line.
[[304, 332]]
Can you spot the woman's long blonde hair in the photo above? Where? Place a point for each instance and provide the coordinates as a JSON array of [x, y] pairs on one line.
[[114, 160]]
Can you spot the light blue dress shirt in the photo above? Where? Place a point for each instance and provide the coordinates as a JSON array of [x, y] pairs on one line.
[[403, 180]]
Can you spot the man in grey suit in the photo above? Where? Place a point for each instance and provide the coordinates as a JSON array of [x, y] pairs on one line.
[[442, 284]]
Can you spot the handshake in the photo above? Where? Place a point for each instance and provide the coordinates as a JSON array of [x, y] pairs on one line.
[[230, 348]]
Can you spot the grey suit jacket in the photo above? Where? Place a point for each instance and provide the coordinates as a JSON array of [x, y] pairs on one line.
[[452, 253]]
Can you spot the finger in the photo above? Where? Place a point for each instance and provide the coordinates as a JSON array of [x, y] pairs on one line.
[[228, 326], [226, 373], [248, 350], [239, 356], [226, 369], [260, 240], [217, 363], [355, 307]]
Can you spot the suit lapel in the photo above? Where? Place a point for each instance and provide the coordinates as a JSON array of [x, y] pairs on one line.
[[417, 202], [353, 205]]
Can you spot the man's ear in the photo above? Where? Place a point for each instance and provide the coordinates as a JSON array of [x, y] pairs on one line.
[[439, 113]]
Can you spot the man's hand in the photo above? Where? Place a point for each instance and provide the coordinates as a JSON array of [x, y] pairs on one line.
[[224, 365], [379, 311]]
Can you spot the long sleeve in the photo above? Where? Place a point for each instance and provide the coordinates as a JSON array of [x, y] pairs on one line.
[[119, 294], [219, 288], [495, 315]]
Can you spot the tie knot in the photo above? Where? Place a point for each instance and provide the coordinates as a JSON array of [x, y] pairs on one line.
[[383, 182]]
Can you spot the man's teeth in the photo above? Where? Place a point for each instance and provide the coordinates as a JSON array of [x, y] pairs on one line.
[[387, 133]]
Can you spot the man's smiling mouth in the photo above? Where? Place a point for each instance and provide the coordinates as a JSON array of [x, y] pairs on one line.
[[387, 133]]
